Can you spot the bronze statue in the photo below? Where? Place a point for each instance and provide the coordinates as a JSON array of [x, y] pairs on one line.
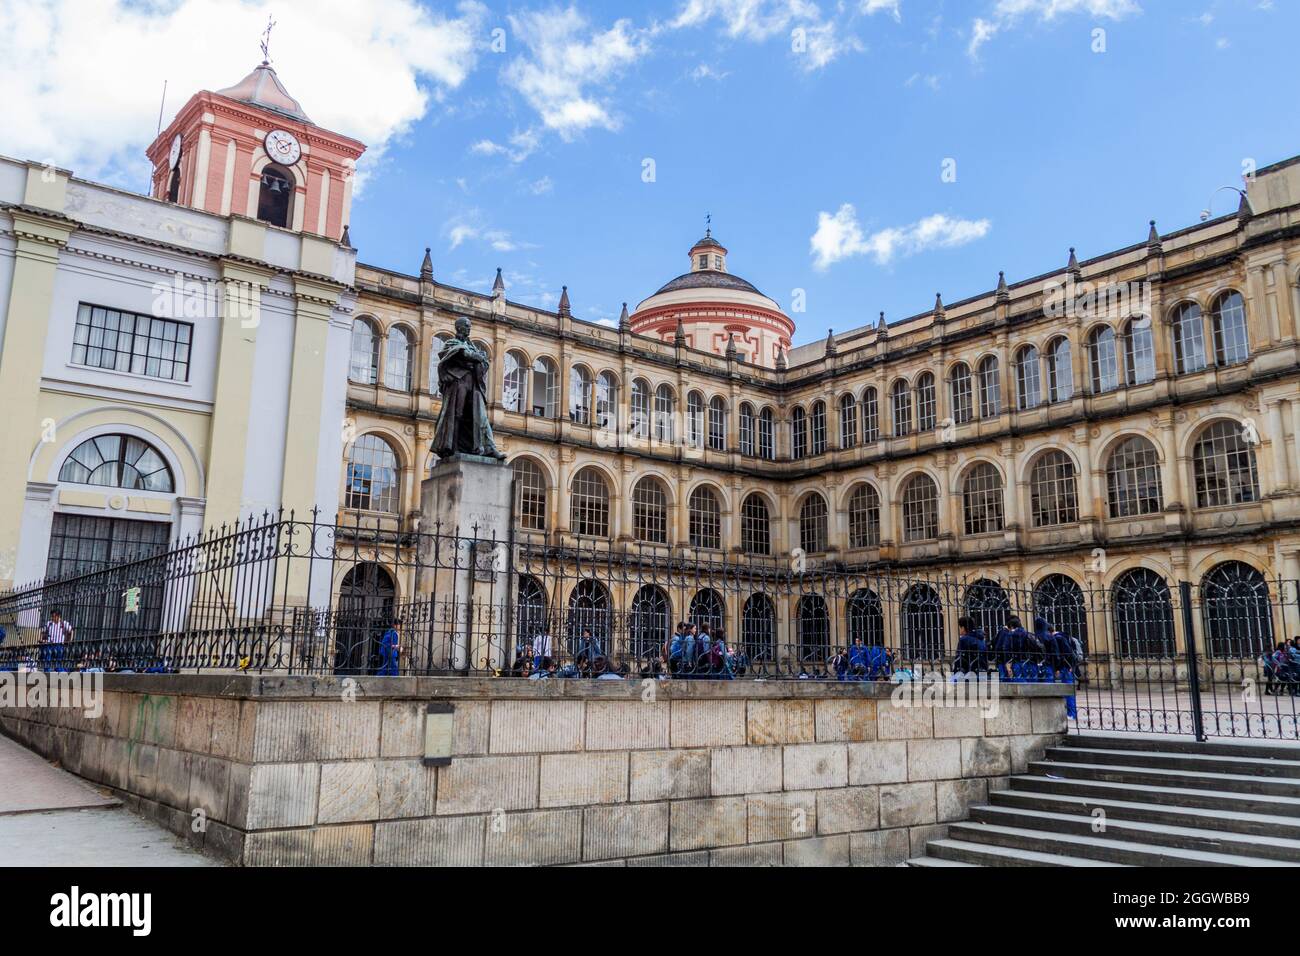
[[463, 427]]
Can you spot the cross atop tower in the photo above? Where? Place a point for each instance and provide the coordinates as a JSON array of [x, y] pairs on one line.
[[266, 40]]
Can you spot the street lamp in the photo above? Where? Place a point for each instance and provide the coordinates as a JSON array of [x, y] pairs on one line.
[[1205, 213]]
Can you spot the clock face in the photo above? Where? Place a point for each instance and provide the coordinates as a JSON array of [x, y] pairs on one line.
[[175, 153], [283, 147]]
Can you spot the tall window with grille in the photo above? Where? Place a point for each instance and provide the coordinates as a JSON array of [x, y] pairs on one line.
[[579, 395], [665, 410], [920, 509], [1229, 318], [812, 524], [397, 360], [530, 490], [963, 408], [705, 519], [546, 388], [1189, 338], [650, 511], [798, 434], [901, 399], [981, 495], [363, 366], [818, 428], [1133, 479], [372, 476], [695, 420], [137, 344], [848, 421], [1103, 359], [990, 388], [640, 409], [1060, 371], [514, 387], [1224, 466], [607, 401], [717, 424], [746, 429], [1139, 351], [755, 526], [864, 517], [589, 504], [1053, 495], [926, 404], [870, 416], [1029, 386], [767, 435]]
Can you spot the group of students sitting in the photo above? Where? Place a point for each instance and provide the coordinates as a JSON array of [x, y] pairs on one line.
[[696, 650], [1282, 668]]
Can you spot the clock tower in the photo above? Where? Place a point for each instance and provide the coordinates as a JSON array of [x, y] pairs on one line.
[[250, 150]]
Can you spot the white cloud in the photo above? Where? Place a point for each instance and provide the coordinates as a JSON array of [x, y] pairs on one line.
[[1007, 13], [522, 144], [823, 40], [542, 186], [82, 79], [892, 7], [840, 236], [706, 72], [567, 63], [930, 80], [467, 228]]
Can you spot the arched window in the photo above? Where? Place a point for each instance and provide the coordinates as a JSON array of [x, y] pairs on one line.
[[705, 519], [848, 421], [650, 511], [579, 395], [755, 526], [1060, 371], [649, 620], [1103, 360], [1139, 351], [640, 408], [1029, 392], [990, 388], [864, 517], [988, 605], [397, 360], [901, 399], [1060, 600], [1144, 615], [758, 628], [364, 365], [926, 406], [695, 420], [1053, 495], [812, 524], [530, 491], [1237, 611], [607, 401], [514, 389], [1229, 319], [818, 427], [767, 435], [530, 609], [435, 350], [117, 461], [1133, 479], [865, 618], [814, 628], [275, 196], [589, 504], [174, 183], [981, 495], [707, 610], [798, 434], [920, 509], [922, 613], [717, 423], [870, 416], [546, 388], [1189, 338], [747, 429], [959, 386], [665, 409], [1224, 467], [372, 478], [589, 610]]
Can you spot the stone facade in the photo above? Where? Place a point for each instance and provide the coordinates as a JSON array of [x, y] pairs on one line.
[[285, 771]]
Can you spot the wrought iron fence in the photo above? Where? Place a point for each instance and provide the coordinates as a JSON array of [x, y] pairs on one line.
[[283, 595]]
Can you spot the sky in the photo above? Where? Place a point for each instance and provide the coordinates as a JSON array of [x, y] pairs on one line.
[[856, 156]]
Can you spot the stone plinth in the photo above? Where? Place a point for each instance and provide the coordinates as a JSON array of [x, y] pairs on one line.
[[468, 496]]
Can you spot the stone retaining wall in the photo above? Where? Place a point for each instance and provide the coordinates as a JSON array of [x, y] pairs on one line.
[[288, 771]]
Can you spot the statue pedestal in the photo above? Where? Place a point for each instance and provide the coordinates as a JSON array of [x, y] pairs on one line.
[[463, 566]]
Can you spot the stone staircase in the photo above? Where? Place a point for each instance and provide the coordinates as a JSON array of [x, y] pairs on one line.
[[1137, 801]]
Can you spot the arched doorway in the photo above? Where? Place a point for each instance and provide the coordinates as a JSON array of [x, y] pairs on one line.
[[366, 599]]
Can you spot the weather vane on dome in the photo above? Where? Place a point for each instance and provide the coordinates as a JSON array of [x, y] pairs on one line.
[[708, 224], [266, 40]]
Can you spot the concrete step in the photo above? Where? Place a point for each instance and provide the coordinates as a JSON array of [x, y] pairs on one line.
[[986, 854], [1178, 760], [1163, 796], [1192, 779], [1162, 834], [933, 861], [1255, 824], [1101, 848], [1171, 743]]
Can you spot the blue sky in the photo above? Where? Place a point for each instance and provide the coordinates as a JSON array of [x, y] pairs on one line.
[[822, 167]]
